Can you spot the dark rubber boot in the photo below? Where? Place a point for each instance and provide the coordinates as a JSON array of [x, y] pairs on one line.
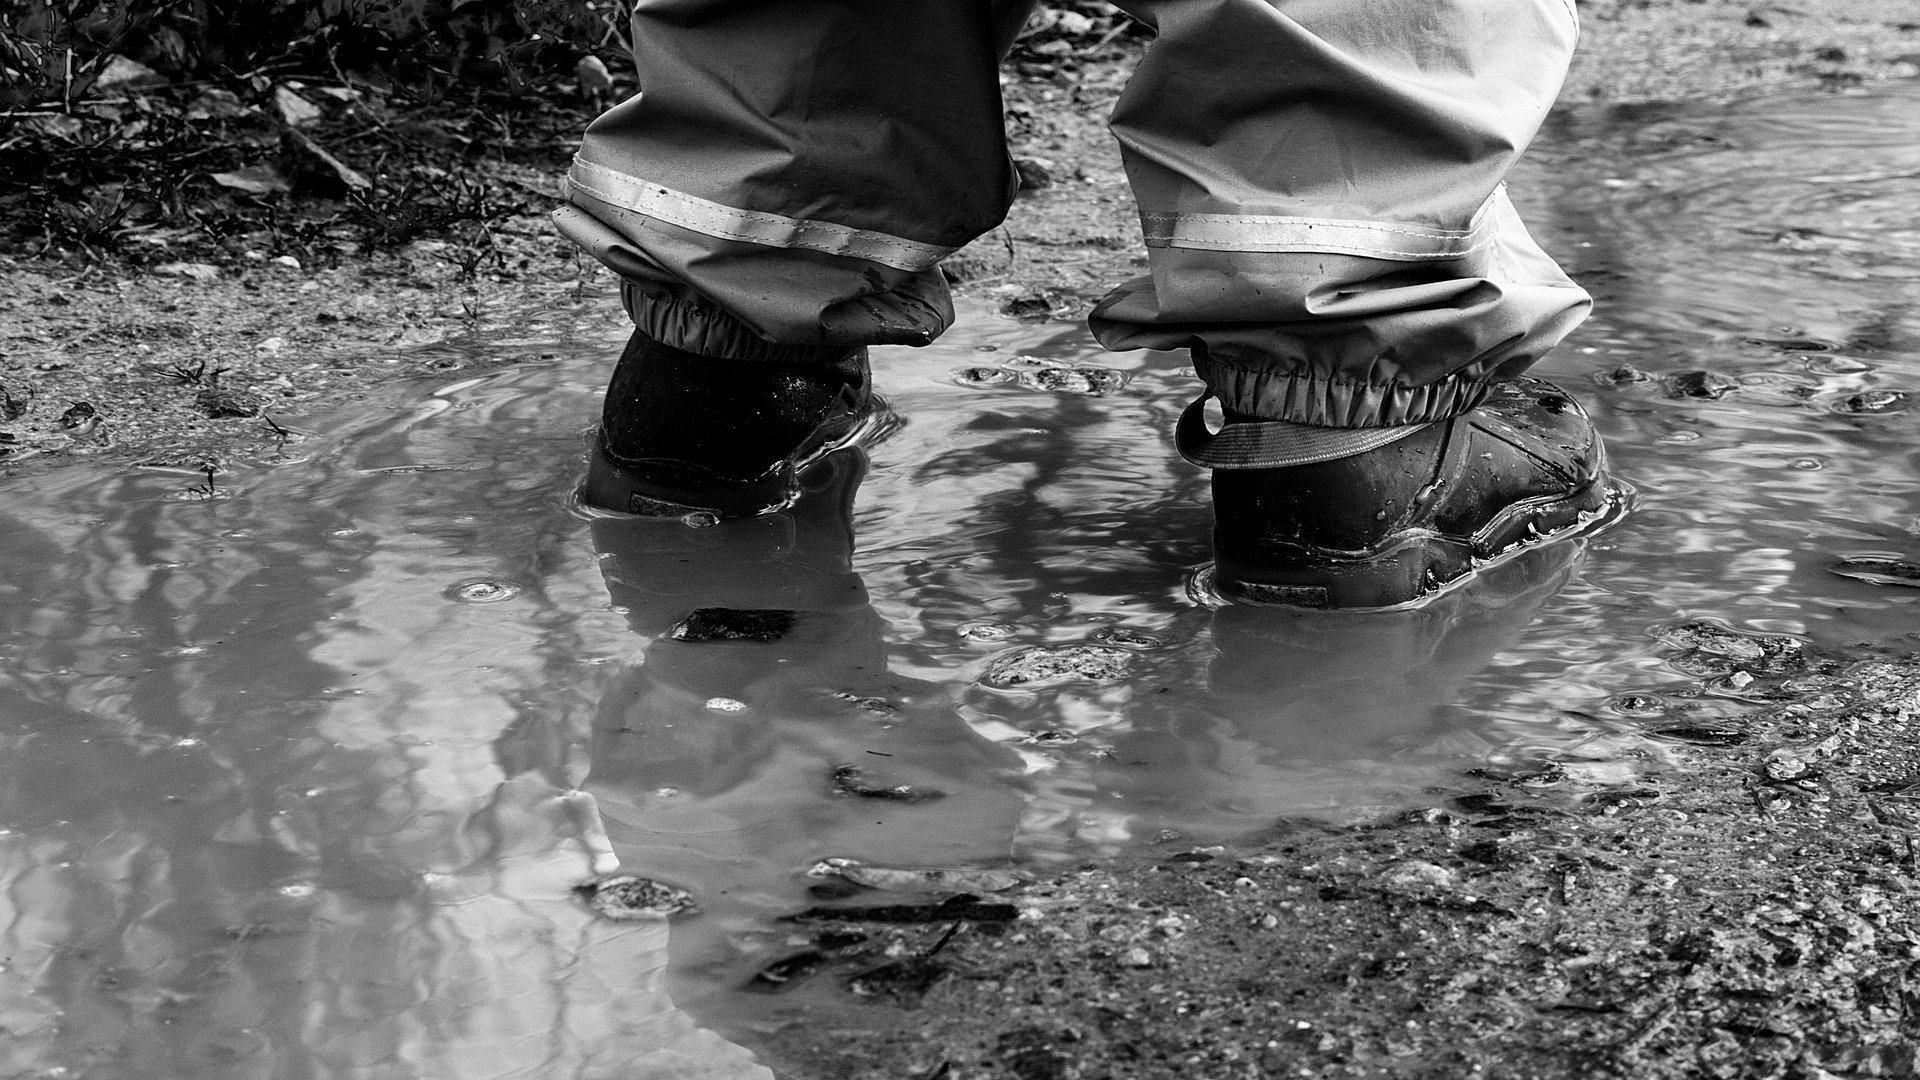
[[683, 433], [1388, 526]]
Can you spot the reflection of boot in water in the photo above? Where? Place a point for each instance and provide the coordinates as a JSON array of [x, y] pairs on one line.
[[1307, 707], [736, 754]]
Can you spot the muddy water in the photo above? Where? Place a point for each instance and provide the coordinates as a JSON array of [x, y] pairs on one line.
[[301, 769]]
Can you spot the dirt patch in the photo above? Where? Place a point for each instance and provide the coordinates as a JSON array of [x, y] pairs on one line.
[[305, 319], [1751, 915]]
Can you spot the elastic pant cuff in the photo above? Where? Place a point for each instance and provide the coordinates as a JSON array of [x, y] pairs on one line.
[[1274, 444], [705, 330], [1306, 398]]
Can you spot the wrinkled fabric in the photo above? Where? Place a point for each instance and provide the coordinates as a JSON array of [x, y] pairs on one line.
[[1319, 185]]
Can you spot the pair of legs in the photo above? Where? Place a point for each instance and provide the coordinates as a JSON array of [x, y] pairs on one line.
[[1320, 191]]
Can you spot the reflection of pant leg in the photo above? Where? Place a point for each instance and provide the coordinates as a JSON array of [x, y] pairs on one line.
[[792, 170], [1320, 187]]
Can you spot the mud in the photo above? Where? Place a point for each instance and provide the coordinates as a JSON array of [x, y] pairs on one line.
[[289, 339], [1750, 912], [1755, 915]]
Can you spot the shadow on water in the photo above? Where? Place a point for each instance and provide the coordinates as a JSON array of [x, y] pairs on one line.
[[301, 771]]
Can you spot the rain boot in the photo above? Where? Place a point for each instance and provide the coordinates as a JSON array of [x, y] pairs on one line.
[[688, 434], [1393, 523]]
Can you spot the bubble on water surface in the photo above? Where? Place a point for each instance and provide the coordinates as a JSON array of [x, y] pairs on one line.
[[481, 591]]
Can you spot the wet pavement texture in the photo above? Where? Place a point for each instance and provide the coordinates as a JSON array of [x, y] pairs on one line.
[[307, 764]]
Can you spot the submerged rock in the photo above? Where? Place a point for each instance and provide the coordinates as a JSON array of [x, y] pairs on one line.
[[1759, 654], [733, 624], [1073, 380], [1880, 571], [919, 879], [1624, 375], [851, 780], [631, 898], [1036, 666], [1872, 402], [1707, 385]]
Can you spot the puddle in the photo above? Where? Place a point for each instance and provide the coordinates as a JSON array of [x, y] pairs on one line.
[[304, 767]]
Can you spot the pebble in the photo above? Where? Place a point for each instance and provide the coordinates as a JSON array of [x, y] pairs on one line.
[[922, 879], [1875, 571], [631, 898], [987, 631], [1787, 767], [732, 624], [1414, 875], [1120, 635], [1036, 666], [1136, 957], [1624, 375], [1759, 653], [1706, 385], [1073, 380], [851, 780], [1873, 402]]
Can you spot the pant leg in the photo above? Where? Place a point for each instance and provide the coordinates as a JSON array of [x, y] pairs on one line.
[[792, 170], [1320, 185]]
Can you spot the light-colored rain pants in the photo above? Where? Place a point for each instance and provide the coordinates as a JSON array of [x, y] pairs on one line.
[[1319, 184]]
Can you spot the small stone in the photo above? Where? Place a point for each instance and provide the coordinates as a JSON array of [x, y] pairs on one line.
[[1783, 768], [79, 414], [851, 780], [1136, 957], [1414, 875], [732, 624], [630, 898], [1037, 666], [1073, 380], [1707, 385], [919, 879], [1036, 174], [1873, 402], [1875, 571], [981, 376], [1120, 635], [1624, 375]]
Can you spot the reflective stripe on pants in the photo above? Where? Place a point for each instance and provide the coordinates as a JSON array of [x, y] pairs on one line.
[[1319, 184]]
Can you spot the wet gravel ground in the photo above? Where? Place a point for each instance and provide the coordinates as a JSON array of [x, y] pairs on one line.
[[1754, 913]]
